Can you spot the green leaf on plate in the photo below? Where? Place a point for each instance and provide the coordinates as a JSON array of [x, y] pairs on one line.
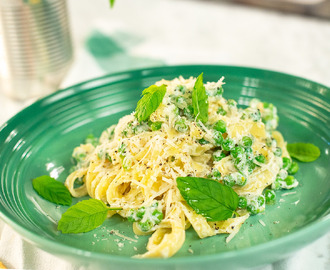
[[208, 198], [52, 190], [200, 100], [83, 216], [151, 99], [305, 152]]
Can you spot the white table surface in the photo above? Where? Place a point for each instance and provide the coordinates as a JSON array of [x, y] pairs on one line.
[[165, 32]]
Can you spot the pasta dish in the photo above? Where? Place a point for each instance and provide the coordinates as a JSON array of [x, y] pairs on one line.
[[135, 165]]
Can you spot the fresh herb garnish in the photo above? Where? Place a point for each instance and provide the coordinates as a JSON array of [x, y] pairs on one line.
[[112, 3], [305, 152], [208, 198], [84, 216], [151, 99], [52, 190], [199, 100]]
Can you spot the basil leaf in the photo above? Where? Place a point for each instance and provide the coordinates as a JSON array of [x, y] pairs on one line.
[[305, 152], [52, 190], [208, 198], [199, 100], [112, 3], [151, 99], [83, 216]]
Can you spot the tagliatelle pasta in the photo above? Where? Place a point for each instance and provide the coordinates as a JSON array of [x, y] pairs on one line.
[[135, 164]]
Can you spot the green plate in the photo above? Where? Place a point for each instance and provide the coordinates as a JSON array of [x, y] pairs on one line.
[[39, 140]]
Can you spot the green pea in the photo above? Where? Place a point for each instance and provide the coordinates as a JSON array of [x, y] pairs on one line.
[[286, 163], [140, 212], [251, 166], [255, 206], [293, 168], [136, 214], [131, 216], [234, 179], [237, 151], [228, 144], [242, 202], [218, 155], [218, 138], [247, 141], [282, 174], [180, 125], [290, 180], [221, 111], [216, 175], [253, 209], [203, 141], [228, 180], [260, 158], [220, 126], [155, 125], [240, 179], [145, 226], [277, 184], [270, 196], [240, 165], [278, 152], [158, 216], [131, 219], [261, 200]]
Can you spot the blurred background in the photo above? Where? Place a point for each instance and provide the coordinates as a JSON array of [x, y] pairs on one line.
[[64, 37], [63, 42]]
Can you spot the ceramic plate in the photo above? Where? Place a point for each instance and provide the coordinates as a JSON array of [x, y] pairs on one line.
[[39, 140]]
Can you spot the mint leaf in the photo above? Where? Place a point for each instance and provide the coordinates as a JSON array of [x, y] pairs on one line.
[[52, 190], [305, 152], [199, 100], [151, 99], [84, 216], [208, 198]]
